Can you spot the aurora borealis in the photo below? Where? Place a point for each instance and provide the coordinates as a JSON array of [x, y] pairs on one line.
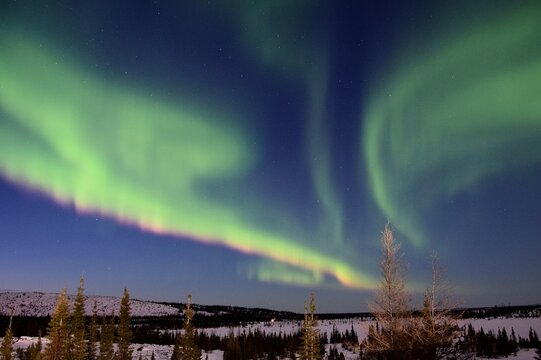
[[250, 152], [467, 111]]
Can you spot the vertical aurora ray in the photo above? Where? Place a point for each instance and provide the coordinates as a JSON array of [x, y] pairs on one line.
[[110, 150], [277, 33], [319, 158], [453, 116]]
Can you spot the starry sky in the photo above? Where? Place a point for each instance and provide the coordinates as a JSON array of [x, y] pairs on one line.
[[251, 151]]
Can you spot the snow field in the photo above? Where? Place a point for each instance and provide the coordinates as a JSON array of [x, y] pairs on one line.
[[163, 352]]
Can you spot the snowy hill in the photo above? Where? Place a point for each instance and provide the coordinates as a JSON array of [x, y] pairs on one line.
[[42, 304]]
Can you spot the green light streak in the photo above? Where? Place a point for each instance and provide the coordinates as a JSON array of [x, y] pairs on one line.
[[319, 158], [109, 150], [453, 116], [270, 271], [274, 32]]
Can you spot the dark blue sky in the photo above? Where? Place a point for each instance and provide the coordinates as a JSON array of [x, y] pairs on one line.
[[249, 152]]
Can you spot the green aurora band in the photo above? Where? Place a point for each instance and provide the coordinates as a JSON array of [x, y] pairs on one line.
[[107, 149], [274, 31], [462, 110], [272, 271]]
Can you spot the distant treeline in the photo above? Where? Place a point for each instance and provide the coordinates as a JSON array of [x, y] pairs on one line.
[[25, 325], [517, 311], [230, 316], [492, 344]]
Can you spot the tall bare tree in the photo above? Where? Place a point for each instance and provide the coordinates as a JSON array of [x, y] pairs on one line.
[[434, 331], [390, 308], [400, 333]]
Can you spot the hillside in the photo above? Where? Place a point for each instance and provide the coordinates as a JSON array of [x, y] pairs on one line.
[[42, 304]]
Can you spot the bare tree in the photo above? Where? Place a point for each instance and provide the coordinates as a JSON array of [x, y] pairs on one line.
[[390, 308], [399, 333], [434, 332]]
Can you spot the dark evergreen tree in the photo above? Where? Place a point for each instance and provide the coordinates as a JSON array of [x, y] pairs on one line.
[[78, 331], [538, 354], [6, 348], [33, 352], [336, 337], [124, 331], [513, 342], [534, 339], [232, 350], [37, 353], [93, 333], [333, 354], [176, 350], [59, 330], [107, 334], [186, 347]]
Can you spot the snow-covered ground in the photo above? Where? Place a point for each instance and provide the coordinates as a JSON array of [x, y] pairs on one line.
[[289, 327], [43, 304], [163, 352]]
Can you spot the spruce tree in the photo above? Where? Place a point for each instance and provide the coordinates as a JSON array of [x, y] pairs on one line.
[[310, 347], [535, 339], [7, 343], [59, 330], [185, 347], [103, 334], [106, 338], [33, 352], [79, 346], [93, 333], [232, 349], [37, 354], [176, 349], [124, 331]]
